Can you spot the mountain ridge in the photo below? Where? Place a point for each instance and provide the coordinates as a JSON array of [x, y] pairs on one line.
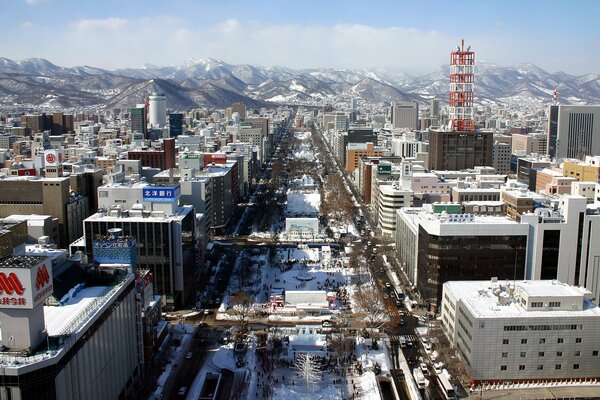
[[215, 83]]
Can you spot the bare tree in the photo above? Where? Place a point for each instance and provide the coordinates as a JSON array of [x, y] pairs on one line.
[[307, 368], [242, 308], [357, 260], [368, 301]]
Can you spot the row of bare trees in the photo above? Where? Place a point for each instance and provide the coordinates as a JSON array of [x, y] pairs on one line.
[[336, 200]]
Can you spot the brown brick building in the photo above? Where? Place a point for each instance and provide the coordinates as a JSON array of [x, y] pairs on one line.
[[455, 151]]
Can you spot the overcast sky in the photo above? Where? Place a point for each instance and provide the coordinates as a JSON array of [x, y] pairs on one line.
[[415, 36]]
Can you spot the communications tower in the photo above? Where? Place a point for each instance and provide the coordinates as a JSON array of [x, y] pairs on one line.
[[462, 79]]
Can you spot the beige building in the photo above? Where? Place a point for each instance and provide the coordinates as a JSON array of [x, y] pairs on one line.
[[583, 171], [532, 143]]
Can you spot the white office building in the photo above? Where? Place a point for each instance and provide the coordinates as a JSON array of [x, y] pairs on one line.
[[405, 114], [157, 110], [522, 330], [391, 198]]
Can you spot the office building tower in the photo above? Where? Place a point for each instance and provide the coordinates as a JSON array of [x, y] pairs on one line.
[[522, 331], [453, 150], [578, 132], [175, 124], [54, 325], [435, 109], [405, 114], [531, 143], [58, 123], [552, 130], [501, 157], [157, 110], [239, 108], [438, 243], [138, 119]]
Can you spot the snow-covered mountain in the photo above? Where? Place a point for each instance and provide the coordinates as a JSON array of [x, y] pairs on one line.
[[215, 83]]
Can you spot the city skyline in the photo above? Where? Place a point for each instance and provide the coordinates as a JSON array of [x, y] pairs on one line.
[[411, 37]]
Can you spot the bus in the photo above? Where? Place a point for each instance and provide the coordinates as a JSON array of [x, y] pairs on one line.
[[419, 378], [445, 386]]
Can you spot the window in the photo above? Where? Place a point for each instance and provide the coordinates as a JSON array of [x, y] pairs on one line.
[[523, 354], [503, 368], [542, 341], [521, 368], [557, 366], [578, 340], [560, 340], [537, 304], [575, 366], [559, 354], [595, 353], [541, 354], [540, 367], [577, 353], [523, 341], [554, 304], [505, 341], [504, 355]]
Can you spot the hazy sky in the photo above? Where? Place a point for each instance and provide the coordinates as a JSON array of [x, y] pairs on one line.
[[414, 36]]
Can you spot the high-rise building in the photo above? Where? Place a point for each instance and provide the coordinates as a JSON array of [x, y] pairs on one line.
[[157, 110], [532, 143], [578, 131], [552, 130], [175, 124], [49, 343], [501, 157], [138, 119], [453, 150], [58, 123], [239, 108], [405, 114], [522, 331], [435, 109], [448, 245]]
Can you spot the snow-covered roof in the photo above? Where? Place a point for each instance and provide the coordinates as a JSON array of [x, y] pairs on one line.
[[306, 297]]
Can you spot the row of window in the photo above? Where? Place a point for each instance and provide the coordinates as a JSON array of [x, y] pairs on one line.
[[542, 340], [577, 353], [540, 304], [539, 367], [571, 327]]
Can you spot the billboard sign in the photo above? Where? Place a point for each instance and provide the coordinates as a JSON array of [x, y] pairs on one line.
[[27, 172], [25, 288], [53, 158], [384, 169], [161, 194]]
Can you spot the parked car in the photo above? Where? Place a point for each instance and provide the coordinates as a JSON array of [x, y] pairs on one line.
[[424, 368]]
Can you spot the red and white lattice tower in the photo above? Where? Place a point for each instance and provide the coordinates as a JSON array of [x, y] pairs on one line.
[[462, 80]]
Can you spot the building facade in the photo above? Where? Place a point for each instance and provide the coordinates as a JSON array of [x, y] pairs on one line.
[[451, 150], [522, 331]]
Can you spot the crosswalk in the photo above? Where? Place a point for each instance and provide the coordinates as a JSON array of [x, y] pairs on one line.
[[209, 334], [396, 338]]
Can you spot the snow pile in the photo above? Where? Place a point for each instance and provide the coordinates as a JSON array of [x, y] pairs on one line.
[[302, 393], [303, 204]]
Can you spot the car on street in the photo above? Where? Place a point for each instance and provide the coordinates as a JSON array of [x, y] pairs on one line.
[[424, 369], [182, 390], [438, 366], [188, 355]]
